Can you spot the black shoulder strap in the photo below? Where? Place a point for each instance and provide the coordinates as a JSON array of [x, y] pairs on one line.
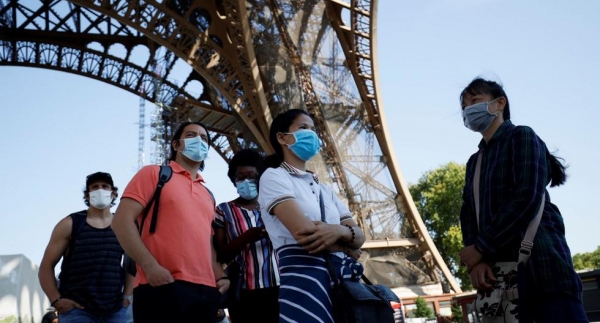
[[164, 175], [129, 265], [78, 219], [212, 196], [332, 274]]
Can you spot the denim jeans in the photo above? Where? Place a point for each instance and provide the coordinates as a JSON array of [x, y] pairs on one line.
[[76, 315], [129, 314]]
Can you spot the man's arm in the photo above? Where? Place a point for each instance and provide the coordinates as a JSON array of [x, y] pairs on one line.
[[127, 233], [221, 278], [128, 289], [57, 247]]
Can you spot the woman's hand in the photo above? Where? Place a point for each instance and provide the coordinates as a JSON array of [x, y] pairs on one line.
[[353, 253], [482, 276], [470, 257], [320, 237], [254, 234]]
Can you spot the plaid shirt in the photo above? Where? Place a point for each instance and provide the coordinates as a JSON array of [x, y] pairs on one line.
[[515, 171]]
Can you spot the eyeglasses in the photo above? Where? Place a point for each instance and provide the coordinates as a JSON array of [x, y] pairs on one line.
[[243, 177]]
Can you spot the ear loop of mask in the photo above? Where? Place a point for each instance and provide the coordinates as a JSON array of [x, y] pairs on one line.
[[488, 106]]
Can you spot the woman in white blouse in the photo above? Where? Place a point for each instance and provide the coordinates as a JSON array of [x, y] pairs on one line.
[[289, 197]]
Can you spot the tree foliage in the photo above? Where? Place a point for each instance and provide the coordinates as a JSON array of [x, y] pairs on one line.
[[587, 260], [422, 309], [438, 197], [9, 319], [457, 316]]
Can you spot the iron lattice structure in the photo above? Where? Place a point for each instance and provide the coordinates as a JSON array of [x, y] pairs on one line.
[[234, 65]]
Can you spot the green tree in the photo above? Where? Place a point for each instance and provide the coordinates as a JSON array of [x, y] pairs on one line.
[[8, 319], [438, 197], [422, 309], [587, 260], [457, 316]]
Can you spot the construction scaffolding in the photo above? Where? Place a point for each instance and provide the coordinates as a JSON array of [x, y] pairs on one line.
[[141, 131], [157, 132]]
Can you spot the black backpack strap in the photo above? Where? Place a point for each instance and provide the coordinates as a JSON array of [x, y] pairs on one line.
[[212, 196], [129, 265], [164, 175], [78, 219]]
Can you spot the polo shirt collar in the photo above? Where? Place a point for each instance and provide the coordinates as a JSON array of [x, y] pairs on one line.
[[178, 169], [504, 127], [298, 172]]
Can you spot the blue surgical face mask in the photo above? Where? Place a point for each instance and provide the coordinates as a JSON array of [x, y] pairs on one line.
[[247, 189], [307, 144], [195, 149], [478, 117]]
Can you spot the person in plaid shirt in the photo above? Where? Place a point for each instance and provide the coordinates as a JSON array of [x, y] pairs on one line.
[[516, 167]]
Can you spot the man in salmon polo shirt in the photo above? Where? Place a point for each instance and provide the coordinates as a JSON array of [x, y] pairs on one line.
[[178, 277]]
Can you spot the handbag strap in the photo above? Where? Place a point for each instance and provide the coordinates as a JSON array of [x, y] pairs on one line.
[[328, 262], [527, 243]]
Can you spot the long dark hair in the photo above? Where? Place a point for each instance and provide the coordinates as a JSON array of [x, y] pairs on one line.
[[557, 169], [495, 90], [281, 123], [179, 132]]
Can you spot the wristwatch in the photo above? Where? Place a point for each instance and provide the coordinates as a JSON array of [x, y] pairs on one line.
[[128, 298]]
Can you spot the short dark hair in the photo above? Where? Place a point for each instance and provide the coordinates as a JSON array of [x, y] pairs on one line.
[[179, 132], [245, 157], [281, 123], [99, 177], [482, 86]]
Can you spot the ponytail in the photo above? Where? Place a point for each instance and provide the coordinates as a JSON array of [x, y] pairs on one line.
[[557, 169], [273, 161]]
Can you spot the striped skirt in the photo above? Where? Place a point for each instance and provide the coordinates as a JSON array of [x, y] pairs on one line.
[[305, 284]]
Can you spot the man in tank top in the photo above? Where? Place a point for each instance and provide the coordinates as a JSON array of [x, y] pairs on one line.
[[92, 285]]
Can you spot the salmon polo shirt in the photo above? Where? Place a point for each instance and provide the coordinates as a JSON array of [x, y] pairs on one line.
[[181, 242]]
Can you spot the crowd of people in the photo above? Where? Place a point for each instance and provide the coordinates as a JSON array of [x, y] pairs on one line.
[[262, 255]]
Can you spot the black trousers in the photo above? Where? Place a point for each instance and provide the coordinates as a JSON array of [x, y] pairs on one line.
[[258, 305], [179, 301]]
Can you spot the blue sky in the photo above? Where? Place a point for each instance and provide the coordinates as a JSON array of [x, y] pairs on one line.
[[56, 128]]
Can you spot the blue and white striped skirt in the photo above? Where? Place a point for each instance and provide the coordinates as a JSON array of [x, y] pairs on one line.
[[305, 284]]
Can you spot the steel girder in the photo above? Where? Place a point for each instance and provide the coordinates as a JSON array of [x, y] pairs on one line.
[[218, 41], [359, 43]]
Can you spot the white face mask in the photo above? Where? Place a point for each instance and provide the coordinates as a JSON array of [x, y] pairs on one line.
[[101, 199]]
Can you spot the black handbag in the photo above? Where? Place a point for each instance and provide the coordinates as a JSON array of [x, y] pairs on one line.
[[355, 302]]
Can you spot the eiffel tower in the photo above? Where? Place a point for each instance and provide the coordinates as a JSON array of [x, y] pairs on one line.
[[234, 65]]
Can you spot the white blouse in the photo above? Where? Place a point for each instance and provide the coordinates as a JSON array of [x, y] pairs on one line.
[[285, 183]]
